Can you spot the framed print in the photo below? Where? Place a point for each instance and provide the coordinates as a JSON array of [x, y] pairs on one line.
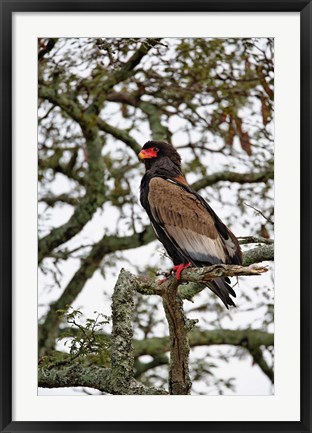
[[155, 216]]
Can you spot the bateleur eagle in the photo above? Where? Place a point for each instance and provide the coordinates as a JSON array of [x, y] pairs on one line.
[[191, 232]]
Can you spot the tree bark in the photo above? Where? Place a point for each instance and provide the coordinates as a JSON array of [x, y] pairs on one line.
[[90, 376], [122, 359], [179, 377]]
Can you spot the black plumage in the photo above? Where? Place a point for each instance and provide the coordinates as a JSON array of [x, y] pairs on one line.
[[183, 221]]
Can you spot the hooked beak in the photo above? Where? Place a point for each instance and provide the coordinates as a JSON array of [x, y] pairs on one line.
[[147, 153]]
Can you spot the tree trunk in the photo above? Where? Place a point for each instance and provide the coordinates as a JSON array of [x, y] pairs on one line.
[[179, 378]]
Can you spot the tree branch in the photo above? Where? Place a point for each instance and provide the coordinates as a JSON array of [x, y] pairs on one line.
[[230, 176], [93, 199], [260, 254], [254, 240], [260, 213], [122, 359], [119, 134], [258, 359], [203, 275], [94, 196], [90, 376], [157, 346], [239, 337], [120, 379], [179, 376], [198, 277], [52, 200], [179, 326], [195, 276], [64, 101], [159, 131], [141, 368]]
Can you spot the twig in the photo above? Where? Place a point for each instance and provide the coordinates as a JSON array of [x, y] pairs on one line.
[[254, 240], [261, 213]]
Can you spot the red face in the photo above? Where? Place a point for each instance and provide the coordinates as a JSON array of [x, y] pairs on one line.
[[149, 153]]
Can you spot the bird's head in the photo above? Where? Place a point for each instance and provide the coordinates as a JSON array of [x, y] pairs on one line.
[[153, 151]]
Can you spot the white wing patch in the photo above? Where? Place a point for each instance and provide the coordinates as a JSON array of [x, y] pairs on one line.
[[198, 246], [230, 246]]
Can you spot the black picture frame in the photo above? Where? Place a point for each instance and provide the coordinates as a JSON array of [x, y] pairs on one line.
[[8, 7]]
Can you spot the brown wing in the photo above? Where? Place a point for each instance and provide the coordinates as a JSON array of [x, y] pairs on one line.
[[187, 222]]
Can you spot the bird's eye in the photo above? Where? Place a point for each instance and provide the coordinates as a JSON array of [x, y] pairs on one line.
[[155, 149]]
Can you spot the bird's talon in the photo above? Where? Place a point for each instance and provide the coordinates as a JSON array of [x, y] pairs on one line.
[[179, 268]]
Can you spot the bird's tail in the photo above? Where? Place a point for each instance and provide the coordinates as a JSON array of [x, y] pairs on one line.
[[223, 290]]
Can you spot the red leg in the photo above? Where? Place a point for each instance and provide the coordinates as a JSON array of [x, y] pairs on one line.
[[179, 268]]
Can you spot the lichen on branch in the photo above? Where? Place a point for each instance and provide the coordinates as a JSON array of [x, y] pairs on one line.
[[120, 378]]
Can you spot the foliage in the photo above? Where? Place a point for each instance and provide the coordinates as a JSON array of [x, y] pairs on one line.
[[87, 338]]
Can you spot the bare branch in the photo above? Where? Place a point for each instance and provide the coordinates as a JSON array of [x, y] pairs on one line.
[[261, 213], [119, 134], [231, 176]]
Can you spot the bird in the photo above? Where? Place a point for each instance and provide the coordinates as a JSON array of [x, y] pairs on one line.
[[186, 225]]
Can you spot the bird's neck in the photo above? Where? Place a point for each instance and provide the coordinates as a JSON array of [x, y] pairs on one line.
[[163, 167]]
